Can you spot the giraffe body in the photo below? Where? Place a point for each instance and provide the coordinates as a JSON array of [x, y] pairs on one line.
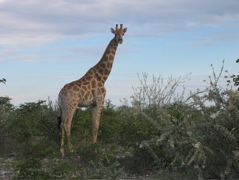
[[88, 91]]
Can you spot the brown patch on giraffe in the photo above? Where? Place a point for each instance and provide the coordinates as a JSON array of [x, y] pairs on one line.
[[78, 83], [107, 51], [90, 72], [109, 64], [103, 65], [87, 78], [93, 82], [70, 87], [106, 72], [111, 57], [102, 90], [74, 104], [99, 84], [84, 88], [66, 86], [101, 71], [105, 78], [76, 88], [86, 83]]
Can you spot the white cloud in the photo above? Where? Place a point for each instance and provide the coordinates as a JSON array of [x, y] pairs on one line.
[[34, 22], [44, 21]]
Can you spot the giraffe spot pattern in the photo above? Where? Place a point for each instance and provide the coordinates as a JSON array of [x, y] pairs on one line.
[[93, 82], [109, 64], [89, 90], [111, 57]]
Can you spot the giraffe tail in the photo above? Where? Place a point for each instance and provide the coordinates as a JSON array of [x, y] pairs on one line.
[[59, 119]]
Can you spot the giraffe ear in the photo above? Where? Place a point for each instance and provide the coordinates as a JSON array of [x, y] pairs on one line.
[[112, 30], [124, 30]]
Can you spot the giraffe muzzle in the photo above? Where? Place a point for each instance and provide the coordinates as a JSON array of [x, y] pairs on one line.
[[120, 41]]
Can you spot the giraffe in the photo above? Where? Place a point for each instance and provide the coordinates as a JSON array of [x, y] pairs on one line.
[[88, 91]]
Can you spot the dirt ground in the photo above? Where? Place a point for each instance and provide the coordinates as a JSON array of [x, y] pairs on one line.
[[8, 151], [9, 158]]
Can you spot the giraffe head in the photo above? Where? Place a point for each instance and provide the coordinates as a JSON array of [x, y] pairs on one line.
[[119, 33]]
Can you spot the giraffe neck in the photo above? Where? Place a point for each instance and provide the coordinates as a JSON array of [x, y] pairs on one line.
[[104, 66]]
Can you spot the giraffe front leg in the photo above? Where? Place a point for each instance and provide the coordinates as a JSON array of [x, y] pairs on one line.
[[96, 119]]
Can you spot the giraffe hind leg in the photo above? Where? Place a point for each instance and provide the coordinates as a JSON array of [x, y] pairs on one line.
[[68, 134], [62, 151], [66, 126], [65, 134]]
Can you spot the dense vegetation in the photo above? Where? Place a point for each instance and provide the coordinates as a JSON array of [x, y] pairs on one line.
[[159, 133]]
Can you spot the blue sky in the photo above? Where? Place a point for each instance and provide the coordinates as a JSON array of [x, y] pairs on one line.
[[46, 44]]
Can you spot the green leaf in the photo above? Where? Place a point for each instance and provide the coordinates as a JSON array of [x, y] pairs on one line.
[[237, 61], [3, 80]]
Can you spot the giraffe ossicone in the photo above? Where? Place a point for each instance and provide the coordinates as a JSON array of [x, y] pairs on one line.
[[88, 91]]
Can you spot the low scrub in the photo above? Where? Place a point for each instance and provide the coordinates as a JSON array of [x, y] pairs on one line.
[[160, 131]]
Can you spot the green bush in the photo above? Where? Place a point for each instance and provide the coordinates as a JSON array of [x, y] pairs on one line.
[[110, 125], [81, 126], [198, 136], [32, 120], [6, 108], [34, 127], [135, 129]]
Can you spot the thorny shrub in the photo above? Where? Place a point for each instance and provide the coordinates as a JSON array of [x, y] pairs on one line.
[[197, 136]]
